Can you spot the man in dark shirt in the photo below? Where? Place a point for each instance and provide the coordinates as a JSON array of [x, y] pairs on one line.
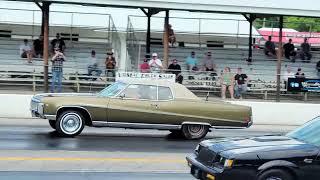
[[38, 47], [57, 73], [305, 51], [241, 83], [269, 48], [289, 51], [58, 43], [175, 68]]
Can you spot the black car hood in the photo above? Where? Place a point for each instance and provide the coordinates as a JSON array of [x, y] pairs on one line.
[[262, 146]]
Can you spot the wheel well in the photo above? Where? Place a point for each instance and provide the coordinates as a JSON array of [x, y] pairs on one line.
[[284, 168], [84, 113]]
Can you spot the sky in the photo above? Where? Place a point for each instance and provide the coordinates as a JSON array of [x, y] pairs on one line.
[[234, 24]]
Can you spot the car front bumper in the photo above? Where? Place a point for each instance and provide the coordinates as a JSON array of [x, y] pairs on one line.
[[200, 171]]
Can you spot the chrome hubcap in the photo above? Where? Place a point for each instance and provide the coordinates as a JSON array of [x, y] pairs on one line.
[[71, 123], [196, 130]]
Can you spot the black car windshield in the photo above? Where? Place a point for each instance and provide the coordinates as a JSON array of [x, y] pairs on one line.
[[308, 133], [112, 90]]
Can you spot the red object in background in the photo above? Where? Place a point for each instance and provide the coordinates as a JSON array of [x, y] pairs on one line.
[[297, 37]]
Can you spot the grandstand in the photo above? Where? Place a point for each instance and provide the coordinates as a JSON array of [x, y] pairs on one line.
[[231, 51]]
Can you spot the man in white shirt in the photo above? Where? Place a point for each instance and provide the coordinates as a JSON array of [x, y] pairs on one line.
[[25, 51], [93, 65], [155, 64]]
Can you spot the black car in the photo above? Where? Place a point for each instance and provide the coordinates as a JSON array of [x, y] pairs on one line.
[[294, 156]]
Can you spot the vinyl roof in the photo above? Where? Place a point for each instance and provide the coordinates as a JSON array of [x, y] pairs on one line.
[[309, 8]]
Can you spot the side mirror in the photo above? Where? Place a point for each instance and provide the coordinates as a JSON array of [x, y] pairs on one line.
[[122, 96]]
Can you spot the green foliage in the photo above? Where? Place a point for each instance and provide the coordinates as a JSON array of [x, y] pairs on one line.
[[301, 24]]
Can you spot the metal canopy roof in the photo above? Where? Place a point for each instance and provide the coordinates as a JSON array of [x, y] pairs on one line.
[[269, 7]]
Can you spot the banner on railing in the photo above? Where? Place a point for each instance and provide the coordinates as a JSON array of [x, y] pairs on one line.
[[303, 85], [145, 76]]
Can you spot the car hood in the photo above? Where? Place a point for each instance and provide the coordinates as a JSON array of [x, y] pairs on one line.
[[39, 97], [262, 146]]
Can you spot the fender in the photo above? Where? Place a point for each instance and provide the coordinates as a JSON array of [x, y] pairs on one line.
[[277, 163]]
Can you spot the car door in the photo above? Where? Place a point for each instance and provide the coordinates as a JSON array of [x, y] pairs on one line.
[[135, 104], [310, 166]]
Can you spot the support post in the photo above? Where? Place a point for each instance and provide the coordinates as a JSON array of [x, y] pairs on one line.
[[251, 19], [279, 59], [166, 41], [148, 38], [45, 20]]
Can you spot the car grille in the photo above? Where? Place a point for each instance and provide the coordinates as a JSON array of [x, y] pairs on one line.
[[207, 157]]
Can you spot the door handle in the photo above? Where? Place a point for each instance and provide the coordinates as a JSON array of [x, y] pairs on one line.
[[309, 161]]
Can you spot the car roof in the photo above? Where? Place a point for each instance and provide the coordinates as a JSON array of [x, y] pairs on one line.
[[179, 90]]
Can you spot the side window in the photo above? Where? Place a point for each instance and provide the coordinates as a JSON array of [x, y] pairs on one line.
[[142, 92], [165, 93]]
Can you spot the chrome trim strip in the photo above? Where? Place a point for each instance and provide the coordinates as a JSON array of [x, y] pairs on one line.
[[50, 117], [136, 125], [228, 127], [198, 123]]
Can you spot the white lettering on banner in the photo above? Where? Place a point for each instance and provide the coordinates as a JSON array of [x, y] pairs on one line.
[[146, 76]]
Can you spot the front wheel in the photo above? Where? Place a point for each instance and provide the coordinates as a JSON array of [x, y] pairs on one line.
[[194, 131], [52, 124], [275, 174], [70, 123]]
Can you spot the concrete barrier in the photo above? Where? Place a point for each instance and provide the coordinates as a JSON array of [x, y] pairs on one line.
[[268, 113]]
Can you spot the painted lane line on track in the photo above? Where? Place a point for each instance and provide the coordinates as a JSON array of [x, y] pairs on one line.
[[150, 160]]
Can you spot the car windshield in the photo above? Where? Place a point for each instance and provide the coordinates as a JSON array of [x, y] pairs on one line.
[[112, 90], [308, 133]]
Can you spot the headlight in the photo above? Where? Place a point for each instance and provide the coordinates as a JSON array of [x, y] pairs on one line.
[[228, 163]]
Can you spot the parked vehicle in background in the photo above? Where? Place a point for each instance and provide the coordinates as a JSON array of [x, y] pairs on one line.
[[139, 104], [294, 156]]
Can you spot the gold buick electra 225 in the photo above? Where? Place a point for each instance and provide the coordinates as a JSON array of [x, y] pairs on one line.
[[139, 104]]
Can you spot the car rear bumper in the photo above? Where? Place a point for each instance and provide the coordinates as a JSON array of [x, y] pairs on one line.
[[200, 171]]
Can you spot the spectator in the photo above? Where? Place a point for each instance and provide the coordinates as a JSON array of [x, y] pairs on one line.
[[144, 67], [176, 69], [299, 74], [155, 64], [25, 51], [58, 43], [110, 64], [227, 82], [269, 48], [57, 73], [191, 61], [318, 68], [208, 62], [172, 37], [241, 83], [38, 47], [93, 65], [289, 51], [305, 51]]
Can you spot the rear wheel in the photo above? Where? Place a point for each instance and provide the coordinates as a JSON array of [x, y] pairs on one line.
[[52, 124], [275, 174], [70, 123], [194, 131]]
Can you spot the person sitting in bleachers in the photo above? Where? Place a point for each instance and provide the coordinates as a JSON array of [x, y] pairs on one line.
[[300, 74], [192, 61], [144, 67], [110, 64], [38, 47], [305, 51], [270, 48], [175, 68], [25, 50], [208, 63], [58, 43], [241, 80], [289, 51], [93, 65]]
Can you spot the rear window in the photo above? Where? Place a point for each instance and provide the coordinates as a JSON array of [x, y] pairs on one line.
[[164, 93]]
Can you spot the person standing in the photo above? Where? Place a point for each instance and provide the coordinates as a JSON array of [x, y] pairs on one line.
[[227, 82], [57, 72], [25, 50], [241, 83], [155, 64], [289, 51], [110, 64]]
